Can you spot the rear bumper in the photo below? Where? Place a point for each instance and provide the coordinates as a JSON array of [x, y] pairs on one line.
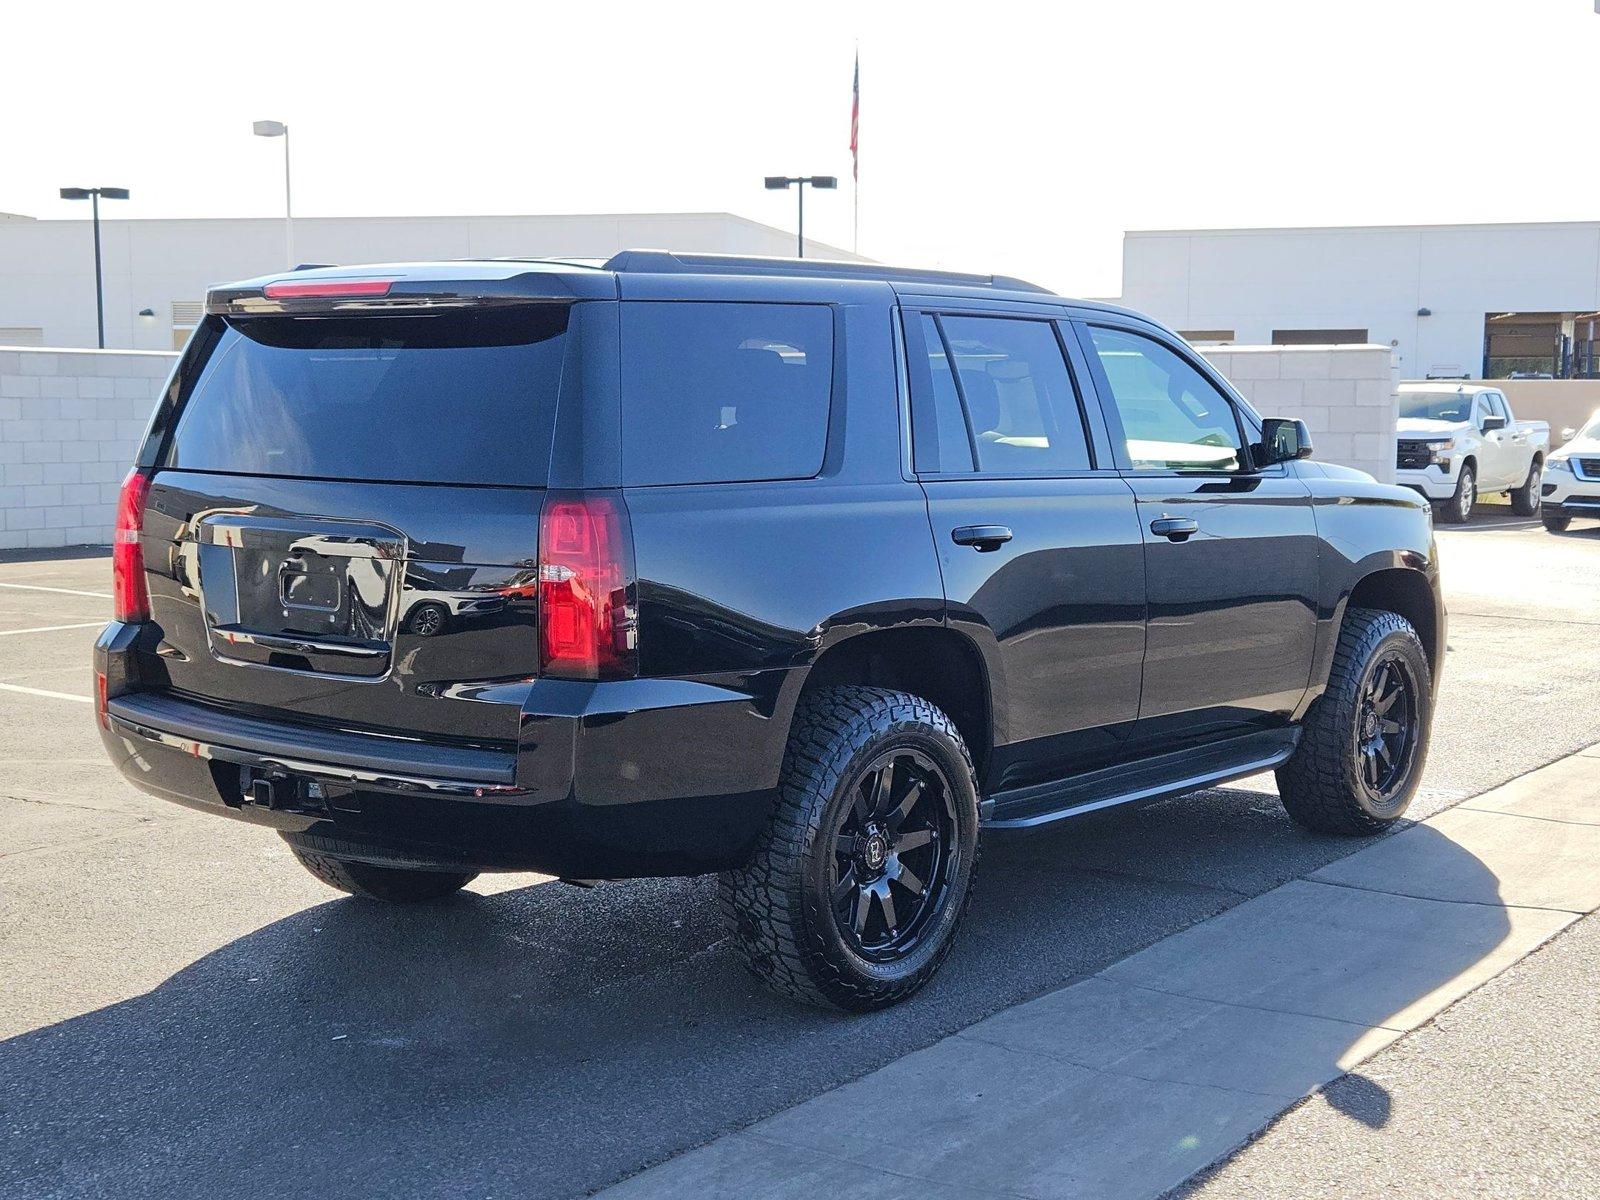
[[639, 777]]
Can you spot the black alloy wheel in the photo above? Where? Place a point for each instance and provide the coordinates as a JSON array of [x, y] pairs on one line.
[[854, 890], [1364, 741], [894, 855], [1386, 733]]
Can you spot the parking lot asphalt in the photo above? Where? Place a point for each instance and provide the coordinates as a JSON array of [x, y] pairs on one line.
[[188, 1013]]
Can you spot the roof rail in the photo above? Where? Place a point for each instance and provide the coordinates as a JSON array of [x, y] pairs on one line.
[[668, 262]]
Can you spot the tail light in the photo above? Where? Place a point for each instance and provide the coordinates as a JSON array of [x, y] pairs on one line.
[[588, 626], [130, 595], [329, 289]]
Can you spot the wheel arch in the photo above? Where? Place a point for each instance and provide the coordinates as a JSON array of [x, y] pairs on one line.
[[1408, 593], [932, 661]]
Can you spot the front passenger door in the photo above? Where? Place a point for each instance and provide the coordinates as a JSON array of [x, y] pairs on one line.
[[1230, 551]]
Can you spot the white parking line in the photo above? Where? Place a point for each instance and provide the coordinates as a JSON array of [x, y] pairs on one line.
[[52, 628], [36, 587], [28, 691]]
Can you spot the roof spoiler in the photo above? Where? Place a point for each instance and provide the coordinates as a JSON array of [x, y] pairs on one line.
[[378, 289]]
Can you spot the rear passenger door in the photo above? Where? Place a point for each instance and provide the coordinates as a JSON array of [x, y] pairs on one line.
[[1037, 535], [1230, 551]]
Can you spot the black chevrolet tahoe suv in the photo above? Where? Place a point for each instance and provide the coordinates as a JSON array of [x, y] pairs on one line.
[[804, 573]]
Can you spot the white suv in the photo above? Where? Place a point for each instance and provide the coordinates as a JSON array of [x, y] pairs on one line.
[[1572, 478]]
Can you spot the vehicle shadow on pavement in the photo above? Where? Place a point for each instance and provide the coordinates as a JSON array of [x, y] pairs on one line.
[[545, 1041]]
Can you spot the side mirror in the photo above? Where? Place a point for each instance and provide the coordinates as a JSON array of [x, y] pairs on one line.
[[1568, 434], [1492, 422], [1283, 439]]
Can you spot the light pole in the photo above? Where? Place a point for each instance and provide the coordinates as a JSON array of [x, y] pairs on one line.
[[93, 195], [780, 183], [279, 129]]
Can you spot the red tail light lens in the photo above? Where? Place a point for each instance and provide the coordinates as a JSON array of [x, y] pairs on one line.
[[130, 596], [587, 622]]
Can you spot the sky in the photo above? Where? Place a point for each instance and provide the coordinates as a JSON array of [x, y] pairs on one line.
[[1020, 138]]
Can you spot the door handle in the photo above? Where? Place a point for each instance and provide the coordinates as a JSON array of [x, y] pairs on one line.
[[982, 537], [1176, 529]]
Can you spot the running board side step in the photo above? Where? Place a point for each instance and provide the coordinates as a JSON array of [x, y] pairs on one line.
[[1151, 779]]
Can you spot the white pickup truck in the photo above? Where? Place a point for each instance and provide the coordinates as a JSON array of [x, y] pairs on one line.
[[1456, 441]]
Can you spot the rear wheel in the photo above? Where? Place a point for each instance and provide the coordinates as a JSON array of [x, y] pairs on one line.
[[1459, 507], [1363, 743], [1556, 524], [858, 884], [1525, 499], [393, 884]]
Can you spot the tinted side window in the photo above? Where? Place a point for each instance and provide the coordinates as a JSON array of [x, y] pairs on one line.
[[720, 393], [954, 445], [1018, 395], [1173, 418]]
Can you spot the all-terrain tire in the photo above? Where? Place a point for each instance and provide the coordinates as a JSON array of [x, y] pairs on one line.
[[1321, 786], [1458, 508], [1525, 500], [777, 903], [392, 884]]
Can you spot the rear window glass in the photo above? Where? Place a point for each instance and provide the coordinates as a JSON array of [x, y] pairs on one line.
[[720, 393], [457, 397]]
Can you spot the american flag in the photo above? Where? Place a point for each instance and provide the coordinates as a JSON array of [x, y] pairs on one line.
[[855, 119]]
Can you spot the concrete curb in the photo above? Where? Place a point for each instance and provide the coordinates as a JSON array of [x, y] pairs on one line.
[[1126, 1083]]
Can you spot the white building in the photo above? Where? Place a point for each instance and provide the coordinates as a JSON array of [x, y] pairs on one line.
[[157, 272], [1453, 300]]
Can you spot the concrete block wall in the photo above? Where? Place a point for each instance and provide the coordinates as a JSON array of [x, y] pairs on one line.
[[70, 423], [71, 420], [1346, 394]]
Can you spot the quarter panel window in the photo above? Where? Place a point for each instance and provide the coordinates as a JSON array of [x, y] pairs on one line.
[[720, 393], [1173, 418]]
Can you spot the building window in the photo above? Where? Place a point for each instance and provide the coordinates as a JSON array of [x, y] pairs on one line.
[[1206, 337], [21, 335], [186, 314], [1319, 337]]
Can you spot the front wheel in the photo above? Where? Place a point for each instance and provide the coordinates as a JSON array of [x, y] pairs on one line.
[[1525, 499], [1556, 524], [857, 885], [1364, 741], [1460, 505]]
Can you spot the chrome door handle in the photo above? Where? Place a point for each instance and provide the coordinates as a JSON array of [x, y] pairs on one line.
[[1176, 529]]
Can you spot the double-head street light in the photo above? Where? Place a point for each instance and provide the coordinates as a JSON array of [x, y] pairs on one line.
[[780, 183], [279, 129], [93, 195]]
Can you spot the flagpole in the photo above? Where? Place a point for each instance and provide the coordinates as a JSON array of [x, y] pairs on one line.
[[855, 156]]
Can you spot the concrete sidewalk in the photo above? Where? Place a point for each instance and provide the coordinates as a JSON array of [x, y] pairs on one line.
[[1126, 1083]]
